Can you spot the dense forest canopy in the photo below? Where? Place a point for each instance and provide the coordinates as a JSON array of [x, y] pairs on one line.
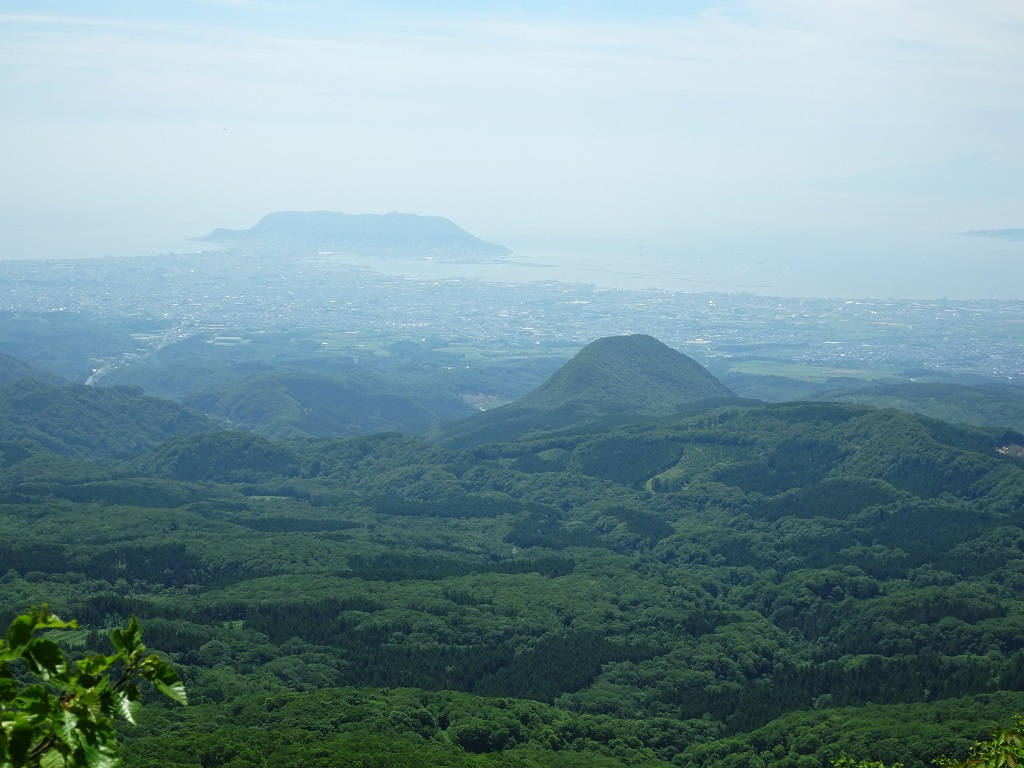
[[731, 584]]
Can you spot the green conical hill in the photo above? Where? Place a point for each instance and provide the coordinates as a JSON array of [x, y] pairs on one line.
[[637, 371], [610, 381]]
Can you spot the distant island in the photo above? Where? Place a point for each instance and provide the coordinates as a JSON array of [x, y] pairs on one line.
[[1016, 235], [389, 234]]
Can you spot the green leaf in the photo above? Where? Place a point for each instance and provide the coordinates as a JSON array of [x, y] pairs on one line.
[[101, 756], [52, 758], [46, 620], [95, 665], [128, 641], [98, 746], [128, 708], [20, 633], [46, 659], [20, 736], [66, 728], [118, 641], [133, 636], [164, 678], [34, 700], [89, 703], [131, 692], [8, 689], [71, 727]]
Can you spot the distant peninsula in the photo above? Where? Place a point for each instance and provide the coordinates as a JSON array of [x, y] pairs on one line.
[[1016, 235], [389, 234]]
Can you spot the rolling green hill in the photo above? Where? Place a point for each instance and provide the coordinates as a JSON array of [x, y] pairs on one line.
[[91, 422], [284, 385], [12, 369], [636, 371], [994, 405], [68, 344], [300, 404]]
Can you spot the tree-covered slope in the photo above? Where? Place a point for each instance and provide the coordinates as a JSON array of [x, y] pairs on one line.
[[92, 422], [285, 385], [993, 405], [12, 369], [729, 586], [68, 344], [301, 404]]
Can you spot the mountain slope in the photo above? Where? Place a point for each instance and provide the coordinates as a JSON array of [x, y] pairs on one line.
[[986, 405], [753, 585], [12, 369], [397, 233], [639, 371], [91, 422], [296, 403]]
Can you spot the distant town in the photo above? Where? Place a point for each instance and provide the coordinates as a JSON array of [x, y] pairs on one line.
[[229, 296]]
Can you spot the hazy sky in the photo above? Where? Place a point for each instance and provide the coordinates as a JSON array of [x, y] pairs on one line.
[[524, 122]]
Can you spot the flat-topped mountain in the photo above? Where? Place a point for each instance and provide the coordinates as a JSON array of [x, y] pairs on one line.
[[999, 234], [375, 234], [617, 378]]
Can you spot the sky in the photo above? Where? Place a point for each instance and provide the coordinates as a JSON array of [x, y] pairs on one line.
[[807, 129]]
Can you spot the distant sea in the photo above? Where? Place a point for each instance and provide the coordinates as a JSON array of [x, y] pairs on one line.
[[24, 243], [903, 266], [823, 264]]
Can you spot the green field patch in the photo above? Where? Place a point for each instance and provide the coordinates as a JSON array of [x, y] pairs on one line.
[[696, 461], [809, 373]]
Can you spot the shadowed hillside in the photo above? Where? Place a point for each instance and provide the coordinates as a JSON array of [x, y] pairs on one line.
[[299, 404], [94, 422], [12, 369]]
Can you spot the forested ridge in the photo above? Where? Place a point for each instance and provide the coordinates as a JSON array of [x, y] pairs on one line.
[[989, 403], [735, 585], [91, 422]]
